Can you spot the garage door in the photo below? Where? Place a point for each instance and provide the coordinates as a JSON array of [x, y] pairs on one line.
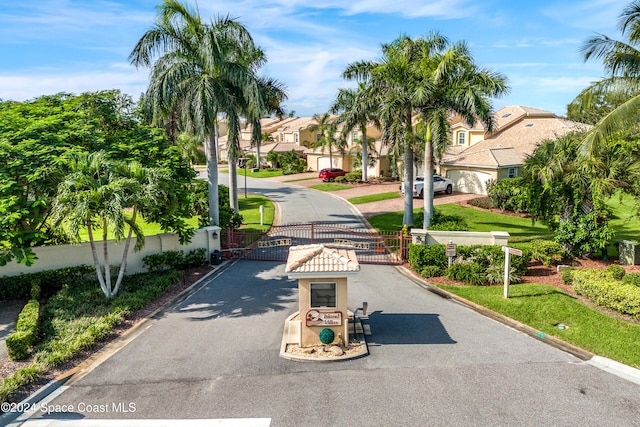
[[324, 162], [474, 182]]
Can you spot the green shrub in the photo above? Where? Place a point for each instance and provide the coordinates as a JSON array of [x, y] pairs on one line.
[[616, 271], [444, 222], [20, 342], [175, 260], [495, 274], [469, 272], [50, 282], [21, 377], [631, 279], [602, 289], [421, 256], [509, 195], [431, 271], [567, 275], [354, 176], [481, 202], [547, 252], [340, 179]]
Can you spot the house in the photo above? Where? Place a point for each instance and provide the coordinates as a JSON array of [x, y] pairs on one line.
[[476, 157]]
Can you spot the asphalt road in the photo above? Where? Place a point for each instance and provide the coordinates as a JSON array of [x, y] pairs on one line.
[[432, 361]]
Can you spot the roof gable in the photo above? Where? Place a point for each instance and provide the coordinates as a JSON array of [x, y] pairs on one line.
[[314, 259]]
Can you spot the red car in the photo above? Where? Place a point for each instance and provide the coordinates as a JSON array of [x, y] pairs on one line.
[[330, 174]]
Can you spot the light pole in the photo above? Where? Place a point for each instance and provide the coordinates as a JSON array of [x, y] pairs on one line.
[[244, 161]]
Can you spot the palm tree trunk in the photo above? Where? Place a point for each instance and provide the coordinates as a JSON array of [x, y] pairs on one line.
[[96, 262], [407, 218], [428, 180], [233, 179], [107, 267], [365, 154], [258, 155], [123, 263], [211, 145]]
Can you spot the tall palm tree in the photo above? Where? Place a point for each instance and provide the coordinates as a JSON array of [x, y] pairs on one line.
[[326, 126], [391, 86], [353, 106], [621, 60], [200, 70], [448, 81]]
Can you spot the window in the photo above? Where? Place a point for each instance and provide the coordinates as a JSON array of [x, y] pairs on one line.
[[323, 295], [356, 136], [461, 138], [281, 137], [296, 137], [512, 172], [318, 137], [504, 116], [529, 125]]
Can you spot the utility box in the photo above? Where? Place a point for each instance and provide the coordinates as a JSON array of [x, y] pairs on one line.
[[629, 252]]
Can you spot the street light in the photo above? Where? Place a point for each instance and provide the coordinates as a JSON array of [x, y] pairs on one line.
[[244, 161]]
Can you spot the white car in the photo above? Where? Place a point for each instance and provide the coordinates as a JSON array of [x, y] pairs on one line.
[[439, 184]]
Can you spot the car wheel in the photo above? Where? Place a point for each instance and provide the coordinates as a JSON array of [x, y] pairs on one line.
[[332, 179], [449, 189]]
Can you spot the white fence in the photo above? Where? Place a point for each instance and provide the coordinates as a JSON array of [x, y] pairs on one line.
[[431, 237], [61, 256]]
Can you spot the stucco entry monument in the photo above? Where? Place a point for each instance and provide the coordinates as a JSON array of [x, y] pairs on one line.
[[320, 329]]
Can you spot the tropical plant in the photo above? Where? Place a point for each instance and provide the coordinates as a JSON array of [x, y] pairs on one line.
[[96, 193], [620, 88], [200, 70], [326, 126]]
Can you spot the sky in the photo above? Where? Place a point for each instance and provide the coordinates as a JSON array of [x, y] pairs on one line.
[[51, 46]]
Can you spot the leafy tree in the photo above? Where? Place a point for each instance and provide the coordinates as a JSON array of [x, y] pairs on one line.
[[36, 137], [326, 126]]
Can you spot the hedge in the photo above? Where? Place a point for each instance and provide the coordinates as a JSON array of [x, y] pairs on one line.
[[50, 282], [19, 342], [604, 290]]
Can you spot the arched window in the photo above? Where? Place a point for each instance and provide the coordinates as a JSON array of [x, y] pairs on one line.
[[462, 138]]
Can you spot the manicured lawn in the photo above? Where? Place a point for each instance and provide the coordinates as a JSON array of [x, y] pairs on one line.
[[302, 179], [374, 197], [626, 224], [250, 210], [263, 173], [519, 229], [331, 187], [543, 307]]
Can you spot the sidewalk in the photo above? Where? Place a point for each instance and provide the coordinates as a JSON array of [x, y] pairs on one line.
[[9, 311]]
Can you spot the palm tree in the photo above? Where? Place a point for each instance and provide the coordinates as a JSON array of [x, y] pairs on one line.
[[448, 81], [621, 60], [354, 113], [325, 125], [96, 193], [199, 70]]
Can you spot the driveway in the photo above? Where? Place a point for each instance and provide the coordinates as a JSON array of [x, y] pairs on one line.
[[433, 361]]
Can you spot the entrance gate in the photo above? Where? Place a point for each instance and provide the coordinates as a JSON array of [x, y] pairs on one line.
[[371, 247]]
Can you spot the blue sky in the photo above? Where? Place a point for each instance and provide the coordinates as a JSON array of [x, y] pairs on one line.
[[50, 46]]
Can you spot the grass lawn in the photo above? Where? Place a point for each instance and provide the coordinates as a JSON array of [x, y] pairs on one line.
[[543, 307], [627, 225], [331, 187], [250, 210], [302, 179], [374, 198], [519, 229], [263, 173]]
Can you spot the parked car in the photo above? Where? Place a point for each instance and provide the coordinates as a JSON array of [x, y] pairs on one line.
[[330, 174], [439, 184]]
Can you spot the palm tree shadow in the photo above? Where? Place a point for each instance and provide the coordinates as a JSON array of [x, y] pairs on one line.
[[407, 328]]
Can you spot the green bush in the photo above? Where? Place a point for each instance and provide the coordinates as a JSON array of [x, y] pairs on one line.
[[547, 252], [21, 377], [354, 176], [340, 178], [50, 282], [469, 272], [567, 275], [495, 274], [616, 271], [631, 279], [509, 195], [481, 202], [20, 342], [602, 289], [431, 271], [421, 256], [175, 260]]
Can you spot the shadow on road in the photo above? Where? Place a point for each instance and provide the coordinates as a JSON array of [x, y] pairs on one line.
[[252, 289], [401, 328]]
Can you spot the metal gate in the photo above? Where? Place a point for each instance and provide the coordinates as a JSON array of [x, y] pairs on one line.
[[371, 246]]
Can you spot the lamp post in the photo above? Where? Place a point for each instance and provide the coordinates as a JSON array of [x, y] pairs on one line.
[[244, 161]]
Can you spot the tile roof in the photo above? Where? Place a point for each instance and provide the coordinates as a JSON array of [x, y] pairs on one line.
[[320, 259]]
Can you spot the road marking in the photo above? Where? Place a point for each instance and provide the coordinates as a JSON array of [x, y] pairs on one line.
[[227, 422]]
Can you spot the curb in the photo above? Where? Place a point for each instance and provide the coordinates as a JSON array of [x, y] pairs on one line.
[[611, 366], [78, 372]]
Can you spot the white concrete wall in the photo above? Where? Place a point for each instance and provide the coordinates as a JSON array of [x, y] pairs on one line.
[[430, 237], [61, 256]]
